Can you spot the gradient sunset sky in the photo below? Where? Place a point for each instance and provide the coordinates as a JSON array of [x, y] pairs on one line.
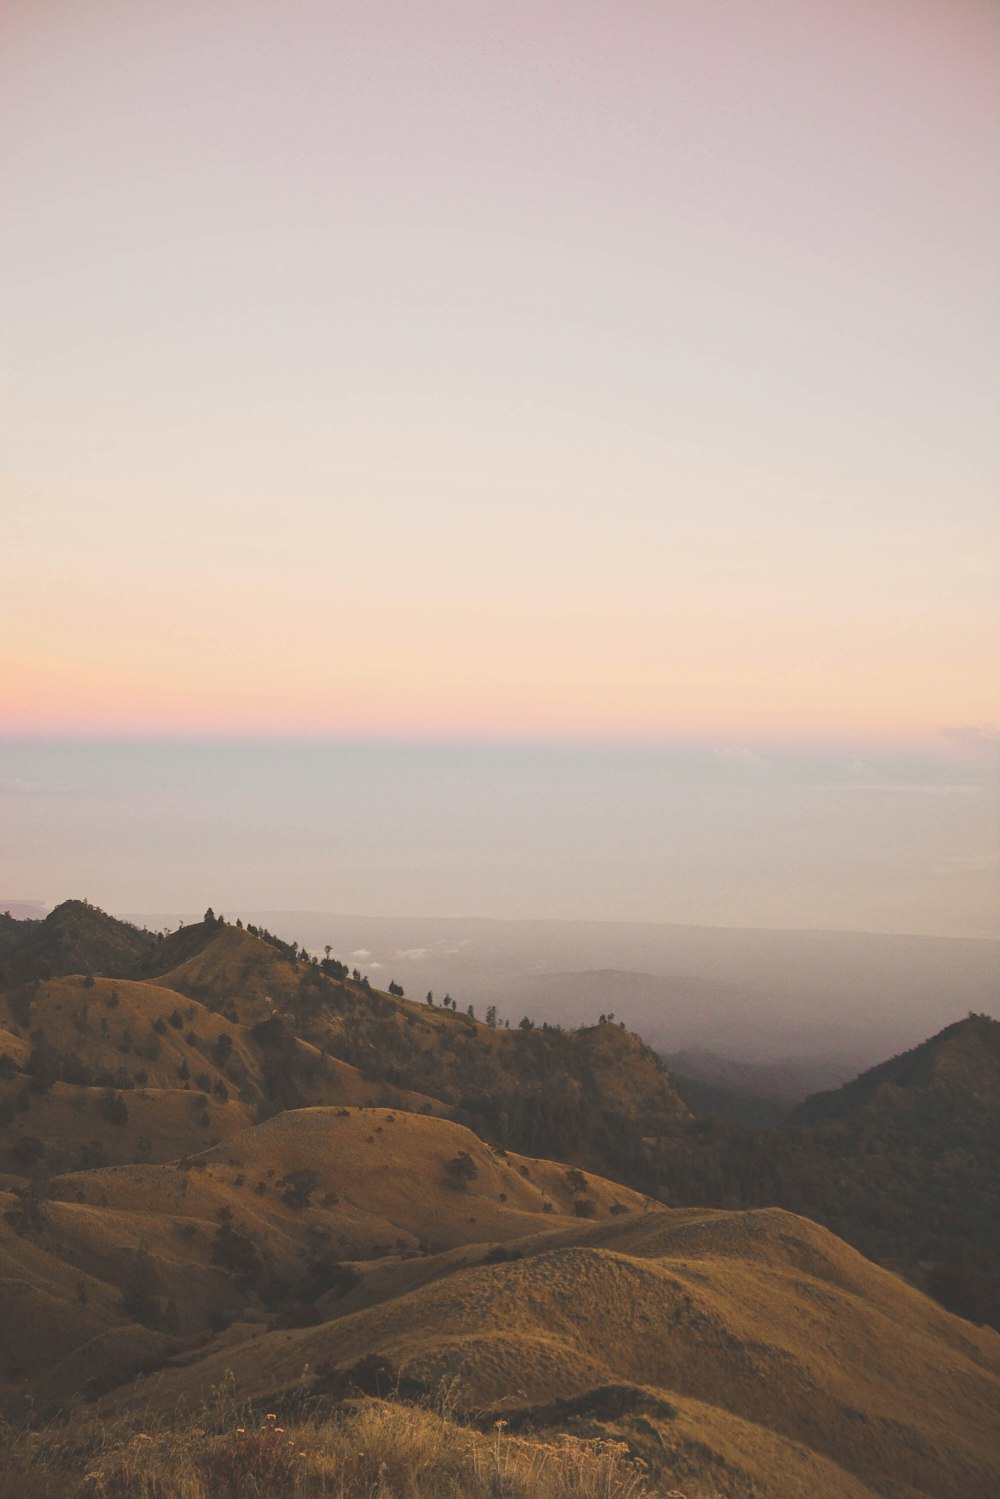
[[519, 370], [402, 401]]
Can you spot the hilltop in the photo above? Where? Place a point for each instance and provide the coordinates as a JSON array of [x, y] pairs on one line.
[[749, 1353], [961, 1063], [74, 938], [757, 994], [591, 1094], [224, 1158]]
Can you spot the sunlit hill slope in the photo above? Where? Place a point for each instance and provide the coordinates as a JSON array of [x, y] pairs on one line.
[[226, 1163]]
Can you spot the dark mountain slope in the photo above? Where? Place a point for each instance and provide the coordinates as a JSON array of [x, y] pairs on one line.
[[734, 1105], [962, 1063], [902, 1163], [74, 938]]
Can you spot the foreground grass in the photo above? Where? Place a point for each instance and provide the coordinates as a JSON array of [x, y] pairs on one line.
[[373, 1449]]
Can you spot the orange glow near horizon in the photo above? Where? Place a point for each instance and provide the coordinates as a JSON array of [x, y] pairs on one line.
[[551, 374], [407, 689]]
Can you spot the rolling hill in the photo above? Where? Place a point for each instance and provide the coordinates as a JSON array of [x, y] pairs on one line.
[[225, 1162]]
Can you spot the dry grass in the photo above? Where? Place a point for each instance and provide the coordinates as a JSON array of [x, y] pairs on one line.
[[372, 1449], [818, 1360]]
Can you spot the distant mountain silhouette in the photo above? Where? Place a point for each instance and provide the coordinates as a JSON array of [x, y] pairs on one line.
[[23, 910], [756, 994]]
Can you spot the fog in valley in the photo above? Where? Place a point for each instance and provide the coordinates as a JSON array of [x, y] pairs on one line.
[[848, 999]]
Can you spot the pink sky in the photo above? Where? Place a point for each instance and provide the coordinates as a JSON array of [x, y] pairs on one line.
[[602, 370]]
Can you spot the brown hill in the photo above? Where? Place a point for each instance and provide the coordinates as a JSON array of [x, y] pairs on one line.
[[590, 1095], [229, 1158], [901, 1162], [225, 964], [755, 1338], [265, 1223], [115, 1071], [754, 1349]]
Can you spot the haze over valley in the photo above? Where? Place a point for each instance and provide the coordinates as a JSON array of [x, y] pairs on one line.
[[759, 995]]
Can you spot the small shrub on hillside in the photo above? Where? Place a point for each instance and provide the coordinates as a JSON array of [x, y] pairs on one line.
[[27, 1150], [141, 1291], [299, 1187], [460, 1170], [222, 1050], [236, 1254]]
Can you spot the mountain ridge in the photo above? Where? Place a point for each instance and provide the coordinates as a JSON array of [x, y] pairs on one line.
[[225, 1159]]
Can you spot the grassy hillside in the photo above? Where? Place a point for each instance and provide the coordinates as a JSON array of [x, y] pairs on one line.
[[248, 1025], [266, 1227], [902, 1162], [640, 1327], [369, 1448], [232, 1166], [533, 1088], [752, 1351]]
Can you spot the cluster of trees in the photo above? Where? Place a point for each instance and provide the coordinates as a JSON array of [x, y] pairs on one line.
[[293, 951], [446, 1004], [910, 1181]]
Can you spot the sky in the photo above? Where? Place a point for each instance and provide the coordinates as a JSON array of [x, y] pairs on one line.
[[526, 374], [704, 836]]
